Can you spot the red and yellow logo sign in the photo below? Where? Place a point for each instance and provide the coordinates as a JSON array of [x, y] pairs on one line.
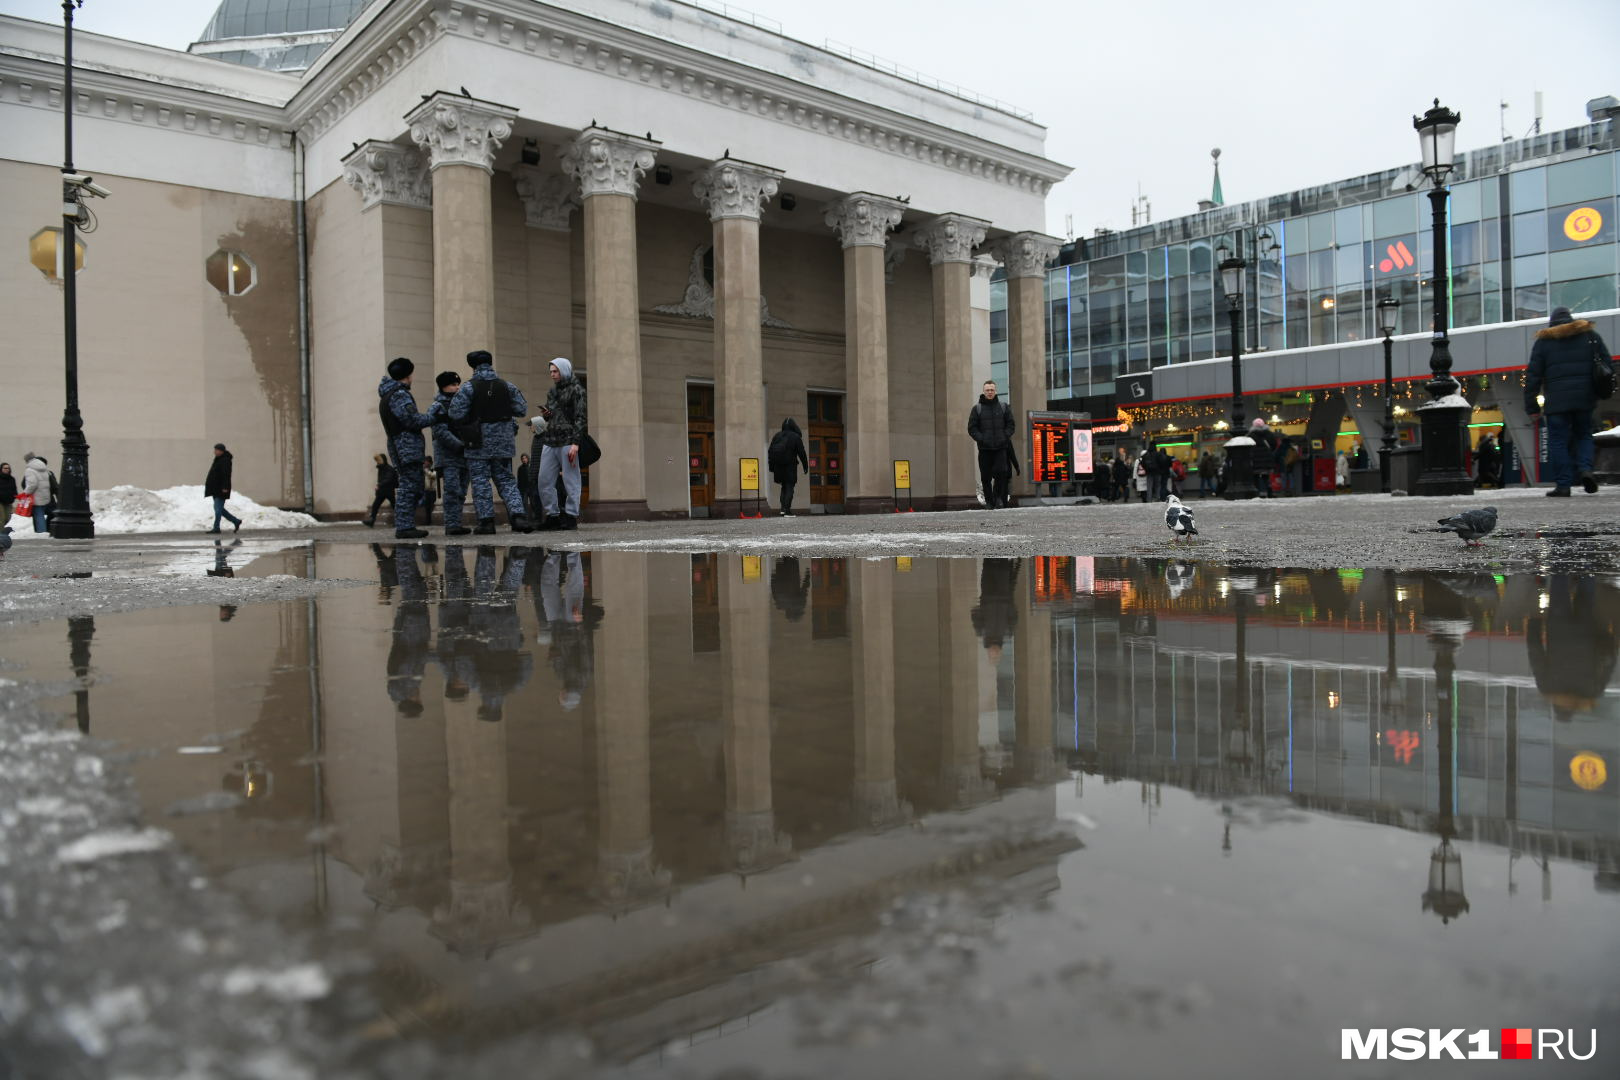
[[1588, 770], [1583, 223]]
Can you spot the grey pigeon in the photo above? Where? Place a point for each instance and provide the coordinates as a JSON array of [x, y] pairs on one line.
[[5, 538], [1471, 524], [1179, 519]]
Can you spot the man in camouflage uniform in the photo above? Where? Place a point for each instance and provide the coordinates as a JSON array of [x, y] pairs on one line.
[[403, 424], [494, 403], [451, 454]]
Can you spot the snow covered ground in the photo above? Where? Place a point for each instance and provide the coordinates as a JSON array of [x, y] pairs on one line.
[[126, 509]]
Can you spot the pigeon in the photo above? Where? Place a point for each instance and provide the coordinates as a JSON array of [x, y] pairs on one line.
[[1179, 519], [1471, 524], [5, 538], [1178, 576]]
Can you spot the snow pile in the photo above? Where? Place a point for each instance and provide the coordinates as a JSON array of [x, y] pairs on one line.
[[127, 509]]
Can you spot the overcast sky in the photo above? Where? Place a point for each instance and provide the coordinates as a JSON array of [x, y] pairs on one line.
[[1134, 95]]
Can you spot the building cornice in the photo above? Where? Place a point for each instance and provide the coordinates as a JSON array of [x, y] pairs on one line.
[[368, 56]]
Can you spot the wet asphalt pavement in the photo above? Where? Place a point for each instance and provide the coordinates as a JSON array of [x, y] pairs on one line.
[[801, 798]]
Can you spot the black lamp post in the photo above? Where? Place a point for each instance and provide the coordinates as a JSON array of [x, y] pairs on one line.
[[1239, 447], [1445, 418], [72, 519], [1389, 319]]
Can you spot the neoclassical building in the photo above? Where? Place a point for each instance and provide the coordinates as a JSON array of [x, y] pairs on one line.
[[722, 226]]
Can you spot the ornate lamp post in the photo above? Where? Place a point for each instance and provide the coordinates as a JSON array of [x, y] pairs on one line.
[[72, 519], [1445, 418], [1240, 447], [1389, 319]]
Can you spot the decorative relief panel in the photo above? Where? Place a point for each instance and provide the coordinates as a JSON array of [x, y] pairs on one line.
[[608, 163], [863, 219], [1026, 254], [385, 172], [549, 198], [698, 303], [951, 238], [735, 189], [457, 130]]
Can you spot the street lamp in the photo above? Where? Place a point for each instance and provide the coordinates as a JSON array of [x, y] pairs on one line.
[[72, 519], [1389, 319], [1445, 418], [1240, 447]]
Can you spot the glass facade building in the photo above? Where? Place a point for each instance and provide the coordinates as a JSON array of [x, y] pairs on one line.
[[1531, 224]]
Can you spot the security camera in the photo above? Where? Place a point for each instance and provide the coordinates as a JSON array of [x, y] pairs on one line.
[[87, 184]]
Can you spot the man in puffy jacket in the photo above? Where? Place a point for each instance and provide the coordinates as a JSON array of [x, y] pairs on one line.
[[495, 404], [218, 487], [37, 482], [1560, 371], [991, 426], [397, 409]]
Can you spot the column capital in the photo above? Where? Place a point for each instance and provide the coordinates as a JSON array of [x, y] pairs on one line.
[[1025, 254], [608, 162], [385, 172], [549, 198], [951, 238], [864, 219], [458, 130], [736, 189]]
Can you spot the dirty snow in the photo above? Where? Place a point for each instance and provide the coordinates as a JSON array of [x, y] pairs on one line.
[[301, 982], [128, 509], [106, 844]]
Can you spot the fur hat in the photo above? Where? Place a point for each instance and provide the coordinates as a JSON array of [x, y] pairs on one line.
[[400, 367], [1560, 316], [447, 378], [478, 358]]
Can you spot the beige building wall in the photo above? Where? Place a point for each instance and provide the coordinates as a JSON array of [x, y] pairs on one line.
[[167, 365]]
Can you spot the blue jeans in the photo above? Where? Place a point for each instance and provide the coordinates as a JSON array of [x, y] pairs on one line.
[[42, 519], [221, 512], [1569, 445]]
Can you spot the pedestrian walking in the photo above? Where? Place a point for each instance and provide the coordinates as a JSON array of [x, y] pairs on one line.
[[495, 404], [991, 426], [1208, 470], [1121, 474], [1489, 456], [387, 484], [451, 453], [8, 491], [528, 480], [784, 456], [1158, 467], [1341, 470], [1178, 473], [1265, 449], [567, 421], [37, 483], [1140, 477], [218, 487], [430, 490], [1563, 363], [396, 406]]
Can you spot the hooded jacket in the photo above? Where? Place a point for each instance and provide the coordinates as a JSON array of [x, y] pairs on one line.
[[991, 424], [1560, 368], [406, 448], [8, 487], [37, 482], [786, 453], [499, 436], [218, 484], [569, 417]]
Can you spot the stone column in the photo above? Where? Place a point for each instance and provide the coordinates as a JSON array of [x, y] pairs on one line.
[[608, 167], [734, 191], [549, 202], [1025, 256], [627, 872], [460, 136], [745, 707], [876, 795], [1033, 756], [862, 222], [481, 912], [962, 780], [949, 241]]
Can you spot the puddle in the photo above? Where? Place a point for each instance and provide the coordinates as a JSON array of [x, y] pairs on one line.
[[879, 816]]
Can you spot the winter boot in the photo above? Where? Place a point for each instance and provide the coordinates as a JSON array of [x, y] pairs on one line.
[[369, 522], [520, 524], [486, 527], [456, 530], [552, 523], [567, 521], [410, 534]]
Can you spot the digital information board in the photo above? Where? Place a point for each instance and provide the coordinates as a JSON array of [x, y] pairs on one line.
[[1060, 447]]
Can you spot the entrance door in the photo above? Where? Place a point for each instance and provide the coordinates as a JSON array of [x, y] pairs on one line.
[[826, 448], [700, 448]]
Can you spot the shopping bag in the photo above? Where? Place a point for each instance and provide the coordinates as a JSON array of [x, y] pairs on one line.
[[24, 505]]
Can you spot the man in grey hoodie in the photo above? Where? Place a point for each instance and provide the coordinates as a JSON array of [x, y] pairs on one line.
[[566, 422]]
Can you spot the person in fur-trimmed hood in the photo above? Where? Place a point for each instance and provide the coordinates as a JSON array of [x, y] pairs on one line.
[[1560, 372]]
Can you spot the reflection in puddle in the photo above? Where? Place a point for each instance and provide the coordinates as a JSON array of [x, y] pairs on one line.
[[616, 792]]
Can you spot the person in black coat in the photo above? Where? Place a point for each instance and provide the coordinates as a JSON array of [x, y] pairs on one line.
[[387, 482], [218, 488], [8, 491], [1560, 371], [991, 426], [996, 616], [784, 456]]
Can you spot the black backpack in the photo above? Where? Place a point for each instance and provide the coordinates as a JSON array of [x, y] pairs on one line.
[[491, 403]]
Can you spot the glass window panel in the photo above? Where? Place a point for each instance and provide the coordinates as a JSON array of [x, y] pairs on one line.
[[1490, 196], [1157, 260], [1394, 217], [1490, 235], [1582, 224], [1108, 273], [1581, 263], [1465, 303], [1465, 200], [1465, 244], [1347, 225], [1177, 315], [1349, 265], [1201, 302], [1321, 270], [1107, 318], [1530, 302], [1584, 178], [1349, 315], [1322, 319], [1586, 294], [1200, 257], [1530, 233], [1178, 259], [1527, 190], [1321, 230], [1531, 270], [1297, 329], [1203, 346], [998, 325]]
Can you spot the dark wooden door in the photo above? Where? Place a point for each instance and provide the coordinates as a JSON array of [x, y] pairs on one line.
[[700, 446], [826, 449]]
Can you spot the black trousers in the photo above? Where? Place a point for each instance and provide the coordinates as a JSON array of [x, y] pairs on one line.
[[997, 489], [383, 495], [787, 498]]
